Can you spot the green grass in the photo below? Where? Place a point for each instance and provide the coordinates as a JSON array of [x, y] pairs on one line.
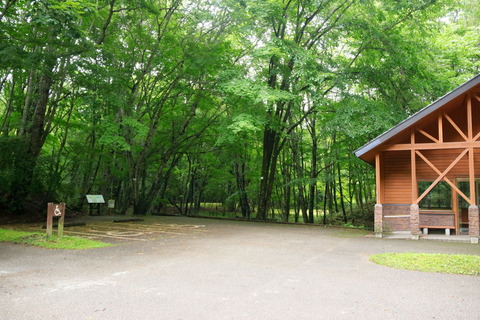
[[39, 239], [427, 262]]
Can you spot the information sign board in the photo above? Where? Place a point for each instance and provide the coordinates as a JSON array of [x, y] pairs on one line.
[[95, 198]]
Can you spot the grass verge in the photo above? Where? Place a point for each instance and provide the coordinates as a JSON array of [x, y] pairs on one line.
[[427, 262], [39, 239]]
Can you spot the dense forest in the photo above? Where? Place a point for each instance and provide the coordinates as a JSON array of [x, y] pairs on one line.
[[255, 106]]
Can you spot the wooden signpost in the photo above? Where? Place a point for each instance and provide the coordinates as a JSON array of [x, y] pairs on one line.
[[111, 206], [55, 210]]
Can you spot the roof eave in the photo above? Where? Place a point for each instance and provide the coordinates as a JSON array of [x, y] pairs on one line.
[[462, 89]]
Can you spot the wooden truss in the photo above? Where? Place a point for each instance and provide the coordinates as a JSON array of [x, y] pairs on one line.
[[469, 142]]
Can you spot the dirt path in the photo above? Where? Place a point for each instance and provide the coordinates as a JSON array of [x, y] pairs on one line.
[[185, 268]]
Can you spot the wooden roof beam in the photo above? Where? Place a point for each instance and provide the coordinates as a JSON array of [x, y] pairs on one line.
[[476, 137], [454, 125], [428, 136], [432, 146], [469, 117]]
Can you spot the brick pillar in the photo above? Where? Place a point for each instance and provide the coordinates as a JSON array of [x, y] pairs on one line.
[[473, 224], [415, 221], [378, 221]]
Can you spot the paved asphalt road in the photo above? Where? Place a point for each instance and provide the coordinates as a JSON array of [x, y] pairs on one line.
[[233, 270]]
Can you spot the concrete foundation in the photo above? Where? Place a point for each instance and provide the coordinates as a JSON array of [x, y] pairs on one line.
[[473, 224], [415, 221], [378, 221]]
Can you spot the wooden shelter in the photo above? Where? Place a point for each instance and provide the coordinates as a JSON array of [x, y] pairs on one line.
[[428, 168]]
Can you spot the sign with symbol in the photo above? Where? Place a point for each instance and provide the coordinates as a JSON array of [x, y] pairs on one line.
[[55, 210]]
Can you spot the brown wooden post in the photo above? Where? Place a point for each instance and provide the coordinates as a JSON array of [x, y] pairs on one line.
[[49, 220], [414, 209], [473, 215], [55, 210], [471, 176], [440, 128], [455, 208], [378, 178], [61, 220], [469, 118], [378, 213], [413, 163], [471, 160]]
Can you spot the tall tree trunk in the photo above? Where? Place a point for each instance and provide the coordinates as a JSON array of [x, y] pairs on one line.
[[33, 133], [287, 188], [314, 170], [325, 199], [5, 128], [267, 173], [300, 173], [239, 169], [37, 137], [342, 201]]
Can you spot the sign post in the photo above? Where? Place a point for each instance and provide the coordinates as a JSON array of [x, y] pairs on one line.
[[111, 206], [95, 199], [55, 210]]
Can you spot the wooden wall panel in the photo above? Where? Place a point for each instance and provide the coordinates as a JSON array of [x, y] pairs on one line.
[[397, 178], [397, 181]]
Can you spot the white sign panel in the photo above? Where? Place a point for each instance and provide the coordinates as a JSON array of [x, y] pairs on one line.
[[95, 198]]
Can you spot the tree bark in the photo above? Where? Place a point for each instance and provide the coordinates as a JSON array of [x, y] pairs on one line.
[[313, 172], [239, 169], [342, 201]]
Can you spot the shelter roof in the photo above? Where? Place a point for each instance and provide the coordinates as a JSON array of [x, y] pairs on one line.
[[367, 152]]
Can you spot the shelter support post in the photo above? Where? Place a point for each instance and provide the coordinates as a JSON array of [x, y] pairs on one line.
[[413, 164], [473, 224], [414, 208], [378, 221], [415, 221], [379, 178], [378, 213]]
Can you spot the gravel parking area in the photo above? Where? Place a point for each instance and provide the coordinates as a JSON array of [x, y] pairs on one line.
[[187, 268]]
